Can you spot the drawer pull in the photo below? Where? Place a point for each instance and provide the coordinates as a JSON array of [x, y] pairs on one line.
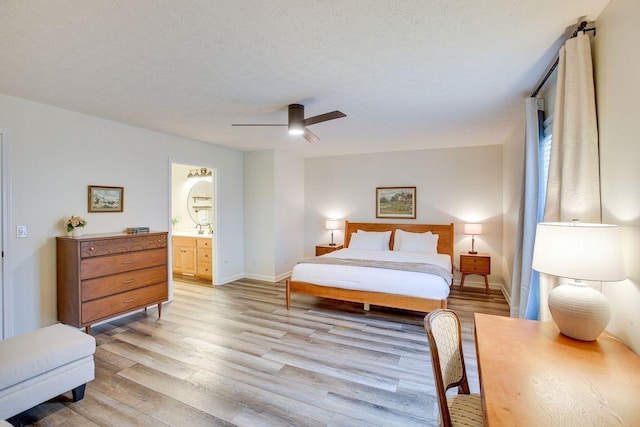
[[127, 282], [127, 301], [92, 248], [129, 262]]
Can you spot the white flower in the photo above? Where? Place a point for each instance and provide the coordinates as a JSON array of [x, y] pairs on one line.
[[75, 222]]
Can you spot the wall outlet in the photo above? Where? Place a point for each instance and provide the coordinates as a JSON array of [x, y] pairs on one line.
[[21, 231]]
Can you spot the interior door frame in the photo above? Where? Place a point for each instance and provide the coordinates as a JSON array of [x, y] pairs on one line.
[[6, 289], [214, 183]]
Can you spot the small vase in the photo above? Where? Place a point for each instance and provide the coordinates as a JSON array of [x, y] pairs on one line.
[[77, 232]]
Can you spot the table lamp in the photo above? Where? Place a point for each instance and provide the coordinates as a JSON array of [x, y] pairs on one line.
[[332, 224], [579, 251], [474, 230]]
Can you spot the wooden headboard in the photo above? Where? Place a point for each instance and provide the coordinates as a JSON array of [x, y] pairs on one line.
[[444, 232]]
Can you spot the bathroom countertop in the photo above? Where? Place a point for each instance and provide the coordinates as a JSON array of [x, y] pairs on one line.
[[192, 234]]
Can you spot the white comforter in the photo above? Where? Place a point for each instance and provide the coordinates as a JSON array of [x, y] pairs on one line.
[[397, 282]]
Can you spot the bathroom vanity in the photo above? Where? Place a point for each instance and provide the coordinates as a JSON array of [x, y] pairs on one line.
[[193, 256]]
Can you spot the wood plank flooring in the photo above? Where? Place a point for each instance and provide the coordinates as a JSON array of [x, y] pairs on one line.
[[233, 355]]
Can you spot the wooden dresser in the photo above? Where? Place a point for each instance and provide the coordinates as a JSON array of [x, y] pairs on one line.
[[105, 275]]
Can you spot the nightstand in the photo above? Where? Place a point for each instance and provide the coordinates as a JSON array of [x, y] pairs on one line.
[[475, 264], [325, 249]]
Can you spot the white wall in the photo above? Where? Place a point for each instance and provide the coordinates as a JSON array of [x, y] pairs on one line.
[[617, 67], [259, 215], [274, 213], [55, 154], [453, 185], [289, 212]]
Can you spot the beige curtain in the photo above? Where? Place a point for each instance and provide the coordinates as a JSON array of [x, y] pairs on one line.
[[573, 189]]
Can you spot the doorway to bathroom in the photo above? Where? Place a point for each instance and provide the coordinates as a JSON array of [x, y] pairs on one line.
[[193, 222]]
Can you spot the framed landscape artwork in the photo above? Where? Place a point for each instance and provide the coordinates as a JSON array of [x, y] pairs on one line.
[[106, 199], [396, 202]]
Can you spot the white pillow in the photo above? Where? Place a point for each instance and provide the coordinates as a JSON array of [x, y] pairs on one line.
[[371, 241], [386, 235], [397, 239], [406, 241]]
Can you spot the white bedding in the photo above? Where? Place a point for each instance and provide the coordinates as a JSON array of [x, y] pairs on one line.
[[396, 282]]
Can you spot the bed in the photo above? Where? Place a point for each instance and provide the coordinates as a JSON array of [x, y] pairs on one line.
[[347, 282]]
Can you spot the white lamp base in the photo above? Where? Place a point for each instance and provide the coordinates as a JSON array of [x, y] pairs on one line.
[[580, 311]]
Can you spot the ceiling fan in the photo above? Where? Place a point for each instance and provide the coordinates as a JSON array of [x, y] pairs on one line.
[[298, 124]]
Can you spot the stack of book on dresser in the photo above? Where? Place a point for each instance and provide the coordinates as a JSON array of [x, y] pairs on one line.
[[134, 230]]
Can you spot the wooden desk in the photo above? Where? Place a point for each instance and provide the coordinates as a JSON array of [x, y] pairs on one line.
[[531, 375]]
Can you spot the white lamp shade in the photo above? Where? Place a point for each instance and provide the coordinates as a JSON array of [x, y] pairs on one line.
[[475, 229], [332, 224], [579, 251]]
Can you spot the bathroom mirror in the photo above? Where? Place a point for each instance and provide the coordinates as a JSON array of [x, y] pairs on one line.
[[200, 203]]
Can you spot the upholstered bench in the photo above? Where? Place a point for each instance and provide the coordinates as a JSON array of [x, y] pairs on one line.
[[39, 365]]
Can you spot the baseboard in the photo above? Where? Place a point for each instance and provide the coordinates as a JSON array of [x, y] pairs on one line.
[[260, 277], [506, 295], [272, 279], [230, 279], [281, 277]]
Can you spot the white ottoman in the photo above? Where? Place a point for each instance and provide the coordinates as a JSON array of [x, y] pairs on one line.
[[39, 365]]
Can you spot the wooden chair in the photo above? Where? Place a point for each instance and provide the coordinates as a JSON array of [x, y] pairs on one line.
[[445, 340]]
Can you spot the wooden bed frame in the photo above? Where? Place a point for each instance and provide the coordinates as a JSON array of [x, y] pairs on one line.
[[445, 246]]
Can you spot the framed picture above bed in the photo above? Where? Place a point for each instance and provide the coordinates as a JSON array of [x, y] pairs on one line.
[[396, 202]]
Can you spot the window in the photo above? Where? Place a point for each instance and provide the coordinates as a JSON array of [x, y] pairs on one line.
[[544, 154]]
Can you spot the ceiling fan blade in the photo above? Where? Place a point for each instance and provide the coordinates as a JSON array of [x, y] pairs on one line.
[[298, 124], [256, 124], [310, 136], [324, 117]]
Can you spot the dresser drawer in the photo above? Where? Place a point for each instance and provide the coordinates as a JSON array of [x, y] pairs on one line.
[[475, 264], [109, 285], [205, 270], [103, 266], [204, 255], [132, 243], [204, 243], [124, 302]]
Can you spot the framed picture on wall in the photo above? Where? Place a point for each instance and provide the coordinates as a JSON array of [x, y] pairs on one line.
[[396, 202], [106, 199]]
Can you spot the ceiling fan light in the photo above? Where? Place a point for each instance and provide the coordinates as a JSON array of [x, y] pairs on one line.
[[296, 119]]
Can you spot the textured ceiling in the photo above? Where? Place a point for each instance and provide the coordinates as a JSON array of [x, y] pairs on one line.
[[408, 74]]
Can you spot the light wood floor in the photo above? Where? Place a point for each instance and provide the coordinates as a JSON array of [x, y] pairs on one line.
[[233, 355]]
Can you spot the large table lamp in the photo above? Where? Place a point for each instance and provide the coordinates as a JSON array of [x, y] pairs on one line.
[[579, 251], [474, 230], [332, 224]]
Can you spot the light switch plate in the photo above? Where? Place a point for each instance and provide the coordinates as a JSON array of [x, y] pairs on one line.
[[21, 231]]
